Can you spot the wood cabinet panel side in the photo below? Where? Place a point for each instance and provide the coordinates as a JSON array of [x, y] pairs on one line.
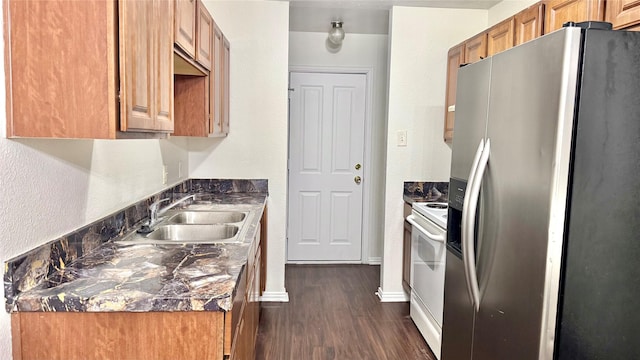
[[122, 335], [60, 76]]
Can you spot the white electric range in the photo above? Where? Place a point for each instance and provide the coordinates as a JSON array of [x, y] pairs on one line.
[[428, 254]]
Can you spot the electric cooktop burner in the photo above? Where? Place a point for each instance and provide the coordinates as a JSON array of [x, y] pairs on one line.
[[436, 205], [434, 211]]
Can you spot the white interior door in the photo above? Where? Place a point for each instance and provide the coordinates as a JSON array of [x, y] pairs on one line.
[[326, 147]]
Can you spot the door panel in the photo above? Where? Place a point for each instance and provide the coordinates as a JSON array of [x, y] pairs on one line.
[[164, 94], [622, 14], [530, 115], [327, 113], [557, 12], [185, 25], [528, 24], [500, 37], [136, 65]]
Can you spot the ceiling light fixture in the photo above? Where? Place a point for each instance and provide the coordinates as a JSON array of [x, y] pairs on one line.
[[336, 34]]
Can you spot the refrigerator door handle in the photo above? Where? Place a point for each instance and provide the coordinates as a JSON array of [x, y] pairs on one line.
[[465, 215], [471, 212]]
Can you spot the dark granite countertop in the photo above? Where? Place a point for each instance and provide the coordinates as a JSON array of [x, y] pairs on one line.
[[129, 277]]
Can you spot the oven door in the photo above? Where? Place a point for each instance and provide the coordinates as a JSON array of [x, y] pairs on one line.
[[428, 254]]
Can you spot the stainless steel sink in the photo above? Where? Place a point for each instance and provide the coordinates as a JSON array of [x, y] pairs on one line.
[[194, 233], [207, 217]]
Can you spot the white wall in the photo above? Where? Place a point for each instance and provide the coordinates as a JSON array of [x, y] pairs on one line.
[[257, 144], [365, 51], [507, 8], [419, 41]]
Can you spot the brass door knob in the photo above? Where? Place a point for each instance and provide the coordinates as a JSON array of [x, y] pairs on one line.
[[357, 179]]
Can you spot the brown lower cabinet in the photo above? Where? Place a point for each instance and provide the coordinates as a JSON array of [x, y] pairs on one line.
[[148, 335], [117, 335], [406, 251]]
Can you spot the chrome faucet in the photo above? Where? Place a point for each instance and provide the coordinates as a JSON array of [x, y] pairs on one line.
[[155, 211]]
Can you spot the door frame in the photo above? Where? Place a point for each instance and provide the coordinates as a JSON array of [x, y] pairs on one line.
[[368, 140]]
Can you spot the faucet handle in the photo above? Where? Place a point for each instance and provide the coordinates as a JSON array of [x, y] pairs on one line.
[[157, 203]]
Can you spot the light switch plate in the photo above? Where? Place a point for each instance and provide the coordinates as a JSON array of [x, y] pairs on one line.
[[402, 137]]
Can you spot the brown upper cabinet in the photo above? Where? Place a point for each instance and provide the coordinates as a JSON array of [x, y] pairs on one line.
[[201, 90], [226, 70], [66, 79], [623, 14], [185, 26], [204, 42], [219, 125], [500, 37], [454, 59], [475, 49], [529, 23], [146, 66], [215, 127], [558, 12]]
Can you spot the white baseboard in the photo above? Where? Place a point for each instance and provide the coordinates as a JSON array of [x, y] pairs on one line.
[[275, 296], [375, 260], [391, 296]]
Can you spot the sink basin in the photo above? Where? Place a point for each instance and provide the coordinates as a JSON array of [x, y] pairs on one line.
[[186, 233], [207, 217]]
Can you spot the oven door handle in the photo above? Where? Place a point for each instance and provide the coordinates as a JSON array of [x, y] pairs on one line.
[[412, 220]]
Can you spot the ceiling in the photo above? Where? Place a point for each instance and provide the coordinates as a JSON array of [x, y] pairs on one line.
[[362, 16]]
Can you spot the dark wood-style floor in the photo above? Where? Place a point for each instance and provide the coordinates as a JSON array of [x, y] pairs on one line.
[[333, 313]]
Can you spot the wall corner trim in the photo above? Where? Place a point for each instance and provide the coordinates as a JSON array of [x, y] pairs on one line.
[[391, 296], [275, 296]]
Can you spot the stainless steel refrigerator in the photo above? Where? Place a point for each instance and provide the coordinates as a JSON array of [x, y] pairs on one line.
[[543, 243]]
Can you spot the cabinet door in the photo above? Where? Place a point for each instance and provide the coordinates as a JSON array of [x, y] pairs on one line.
[[557, 12], [204, 45], [406, 257], [528, 23], [226, 66], [215, 128], [164, 97], [500, 37], [185, 25], [455, 57], [475, 49], [136, 65], [54, 96], [623, 14]]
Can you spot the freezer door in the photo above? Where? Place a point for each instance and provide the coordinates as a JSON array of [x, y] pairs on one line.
[[524, 193], [472, 100], [457, 325]]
